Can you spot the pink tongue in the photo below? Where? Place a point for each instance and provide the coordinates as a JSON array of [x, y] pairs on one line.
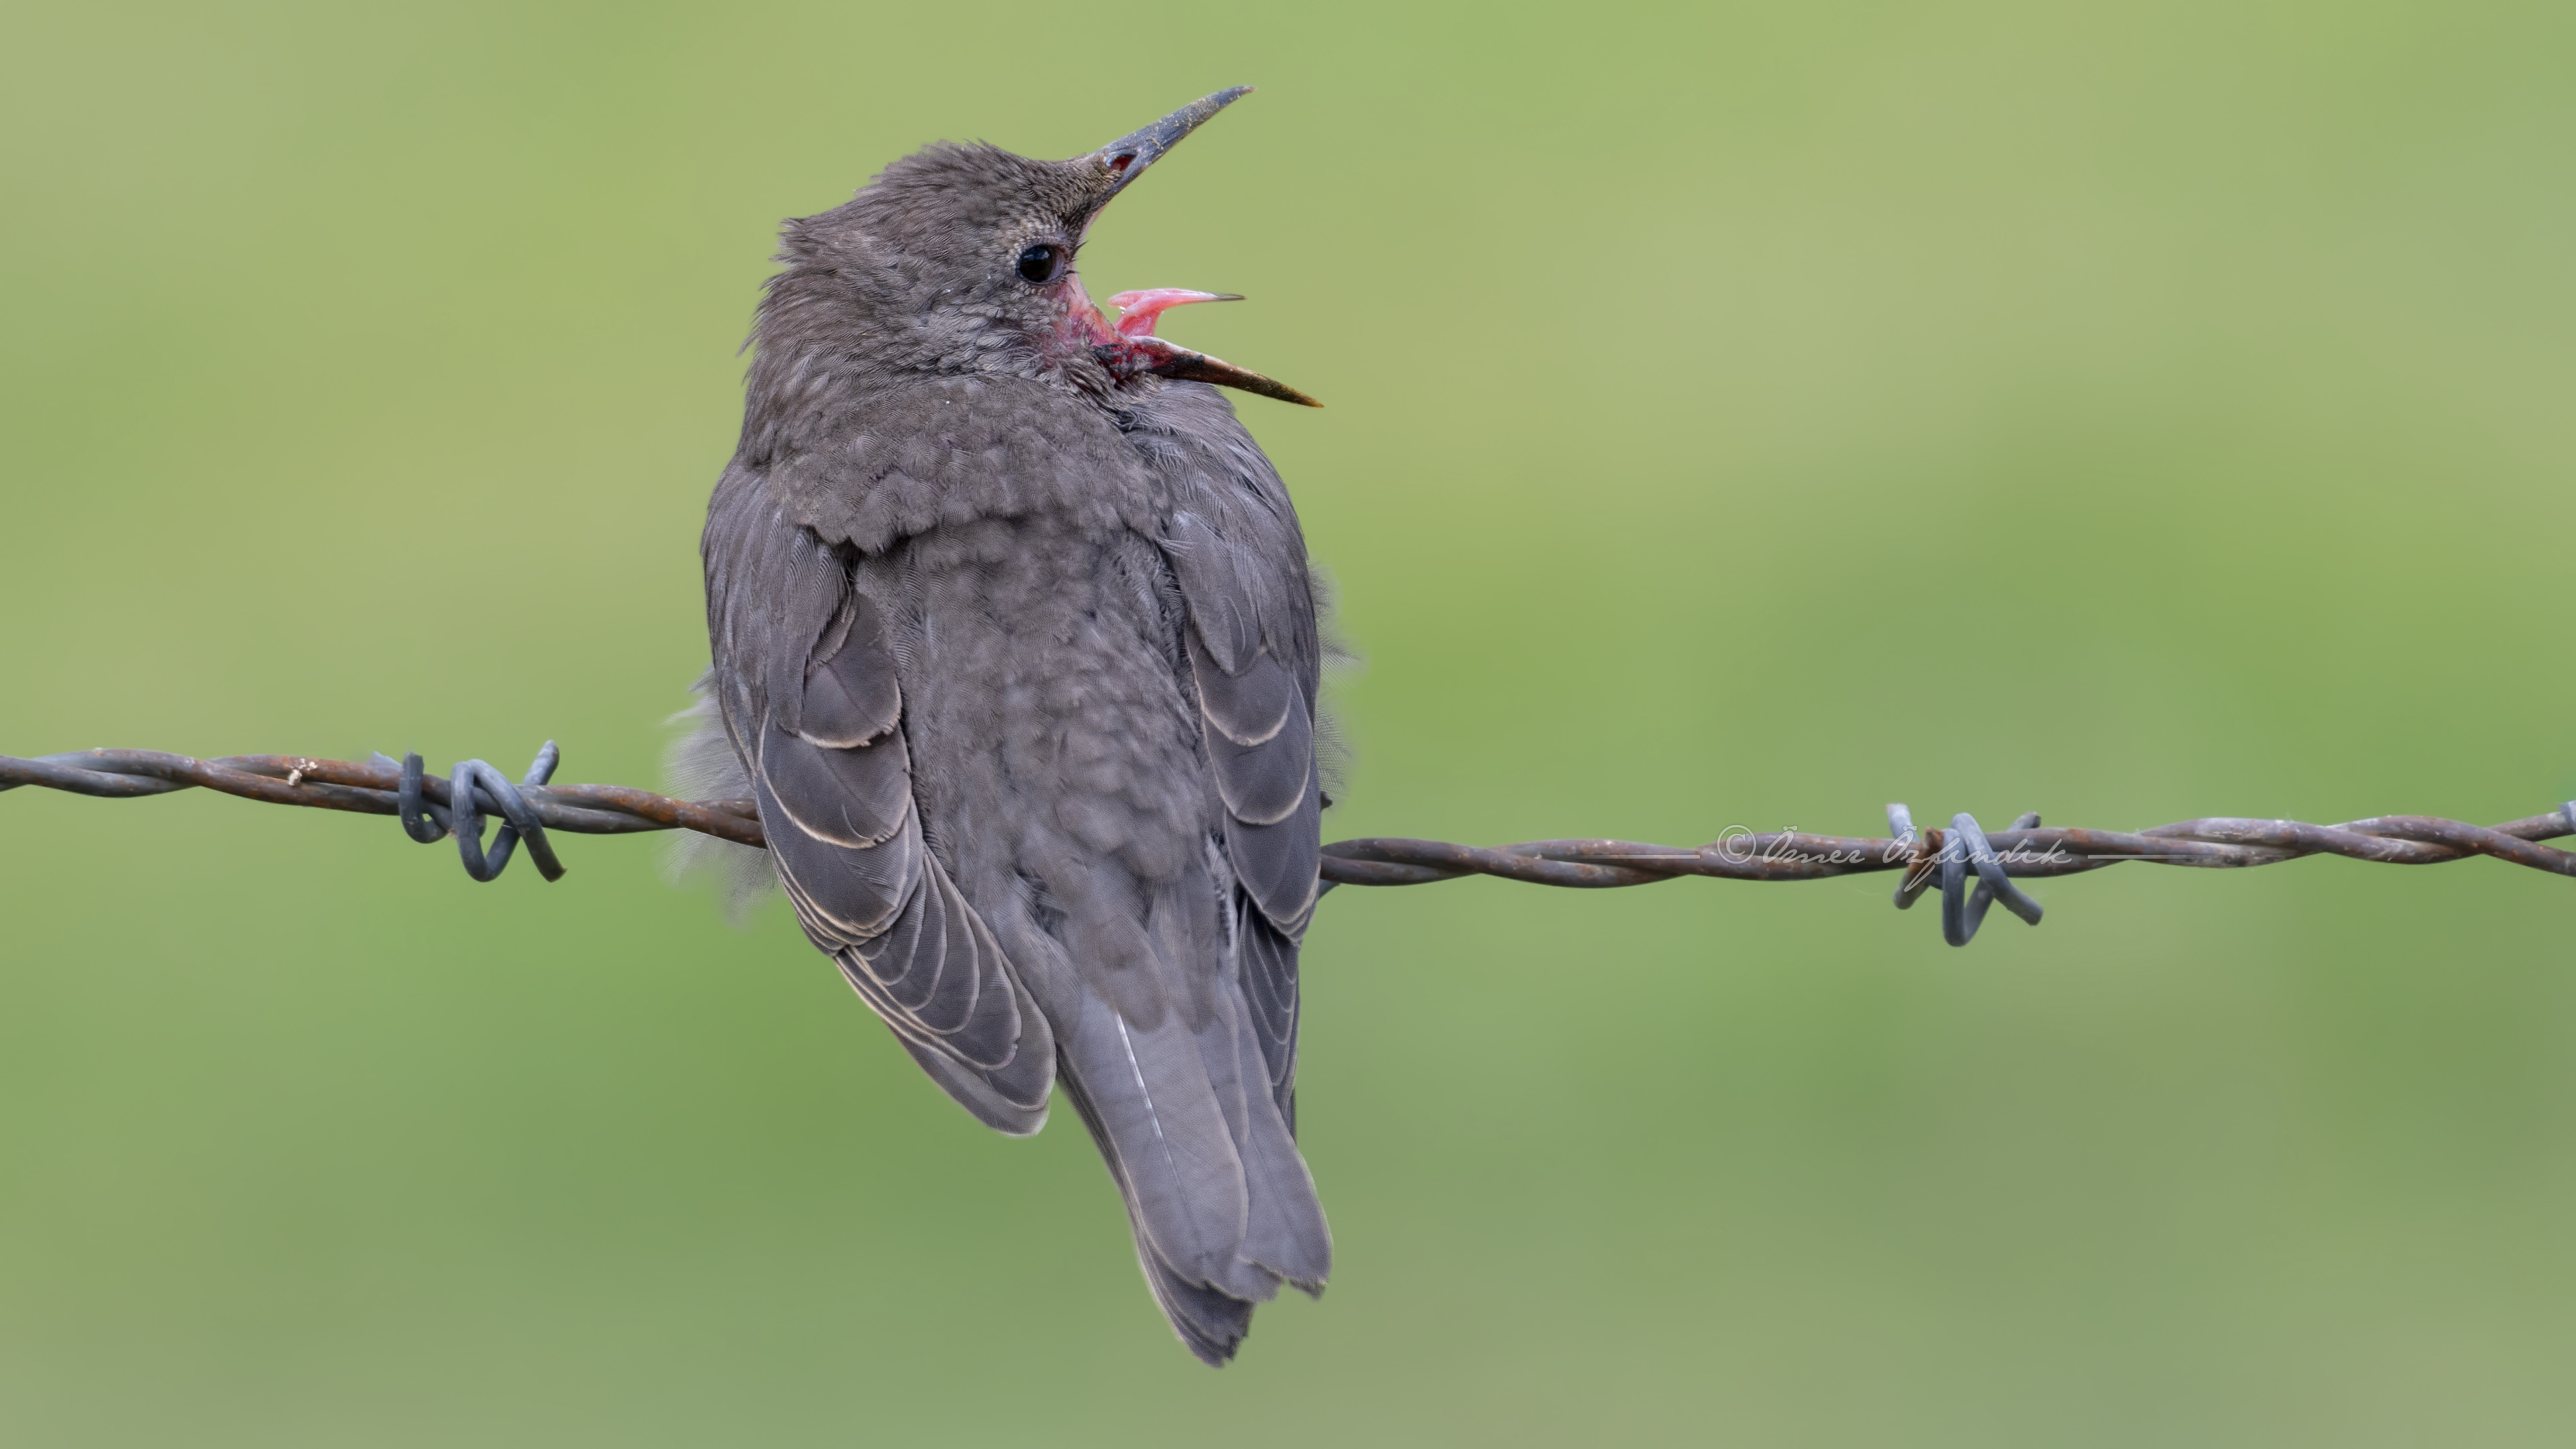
[[1137, 310]]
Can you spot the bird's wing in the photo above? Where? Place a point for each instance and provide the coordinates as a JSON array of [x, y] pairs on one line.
[[816, 712], [1258, 723]]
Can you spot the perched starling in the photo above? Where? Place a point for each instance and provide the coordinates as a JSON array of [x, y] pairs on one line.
[[1015, 644]]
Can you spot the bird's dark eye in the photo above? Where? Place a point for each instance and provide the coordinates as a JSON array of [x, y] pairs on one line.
[[1042, 263]]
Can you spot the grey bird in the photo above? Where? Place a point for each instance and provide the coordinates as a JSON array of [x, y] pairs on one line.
[[1015, 644]]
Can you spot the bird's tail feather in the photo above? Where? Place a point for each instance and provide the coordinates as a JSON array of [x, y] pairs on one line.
[[1284, 1235], [1221, 1202], [1211, 1323]]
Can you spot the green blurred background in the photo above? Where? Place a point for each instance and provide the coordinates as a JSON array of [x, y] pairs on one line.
[[1738, 415]]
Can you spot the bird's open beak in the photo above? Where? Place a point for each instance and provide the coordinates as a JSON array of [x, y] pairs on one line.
[[1139, 350], [1132, 348]]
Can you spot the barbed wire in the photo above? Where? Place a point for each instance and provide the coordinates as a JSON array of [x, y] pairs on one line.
[[433, 808]]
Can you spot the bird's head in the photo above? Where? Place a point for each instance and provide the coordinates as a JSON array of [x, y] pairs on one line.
[[960, 258]]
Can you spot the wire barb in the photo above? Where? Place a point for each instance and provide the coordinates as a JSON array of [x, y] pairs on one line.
[[432, 808], [428, 822]]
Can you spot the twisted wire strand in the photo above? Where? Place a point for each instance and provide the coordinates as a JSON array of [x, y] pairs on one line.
[[432, 808]]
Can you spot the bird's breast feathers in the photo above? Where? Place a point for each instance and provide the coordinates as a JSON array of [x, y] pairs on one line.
[[907, 459]]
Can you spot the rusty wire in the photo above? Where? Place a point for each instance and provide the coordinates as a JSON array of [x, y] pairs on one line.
[[433, 808]]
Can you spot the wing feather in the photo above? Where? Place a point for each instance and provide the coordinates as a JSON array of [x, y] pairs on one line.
[[1252, 660], [1223, 610], [1269, 965], [1249, 708], [832, 775]]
